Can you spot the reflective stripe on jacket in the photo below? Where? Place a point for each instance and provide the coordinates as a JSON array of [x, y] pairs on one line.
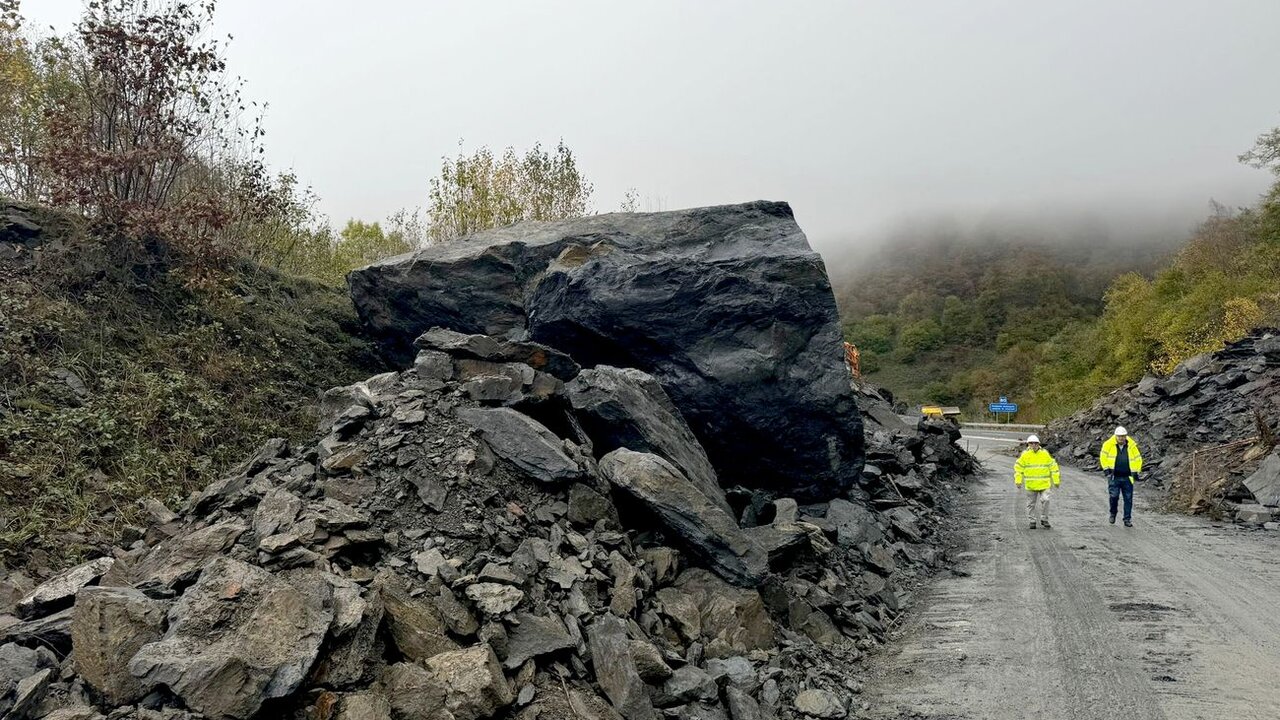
[[1037, 469], [1107, 458]]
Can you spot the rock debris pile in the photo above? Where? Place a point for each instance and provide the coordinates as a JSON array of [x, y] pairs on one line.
[[503, 530], [1207, 430]]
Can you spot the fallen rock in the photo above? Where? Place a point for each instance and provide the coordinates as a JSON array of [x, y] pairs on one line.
[[414, 693], [819, 704], [28, 694], [1264, 483], [60, 591], [51, 631], [237, 638], [364, 706], [483, 347], [727, 307], [649, 662], [535, 636], [18, 663], [709, 532], [415, 625], [627, 408], [523, 442], [109, 625], [1254, 514], [474, 685], [495, 599], [707, 610], [616, 671], [687, 684]]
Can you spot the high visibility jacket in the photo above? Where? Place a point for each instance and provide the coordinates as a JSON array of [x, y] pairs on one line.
[[1107, 458], [1037, 469]]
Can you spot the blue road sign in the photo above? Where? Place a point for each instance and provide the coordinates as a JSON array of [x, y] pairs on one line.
[[1003, 407], [1004, 399]]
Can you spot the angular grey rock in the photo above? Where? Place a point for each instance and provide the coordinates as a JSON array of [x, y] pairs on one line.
[[728, 307], [524, 442], [535, 636], [627, 408], [587, 507], [364, 706], [414, 693], [237, 638], [28, 694], [1254, 514], [708, 610], [77, 712], [353, 656], [736, 670], [18, 663], [60, 591], [820, 704], [1264, 483], [177, 561], [710, 533], [687, 684], [51, 631], [741, 705], [108, 627], [413, 623], [495, 599], [275, 513], [881, 560], [854, 523], [649, 662], [616, 671], [474, 685], [482, 347]]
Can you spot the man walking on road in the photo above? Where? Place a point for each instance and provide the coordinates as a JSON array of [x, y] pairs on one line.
[[1121, 461], [1037, 468]]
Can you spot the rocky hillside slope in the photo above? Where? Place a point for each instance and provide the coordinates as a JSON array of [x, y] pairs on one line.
[[504, 531], [1207, 431]]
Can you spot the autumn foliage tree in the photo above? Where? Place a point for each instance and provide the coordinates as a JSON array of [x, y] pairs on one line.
[[484, 190], [133, 121]]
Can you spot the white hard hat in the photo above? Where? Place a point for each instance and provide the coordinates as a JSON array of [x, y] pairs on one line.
[[1120, 431], [1032, 439]]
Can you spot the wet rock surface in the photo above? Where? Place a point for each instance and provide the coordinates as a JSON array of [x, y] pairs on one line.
[[452, 551], [728, 307]]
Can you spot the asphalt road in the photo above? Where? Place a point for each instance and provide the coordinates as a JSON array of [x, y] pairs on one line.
[[1175, 618]]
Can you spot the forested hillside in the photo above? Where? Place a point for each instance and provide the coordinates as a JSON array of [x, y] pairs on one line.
[[962, 320]]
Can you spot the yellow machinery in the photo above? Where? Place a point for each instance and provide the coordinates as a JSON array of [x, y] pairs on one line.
[[941, 412]]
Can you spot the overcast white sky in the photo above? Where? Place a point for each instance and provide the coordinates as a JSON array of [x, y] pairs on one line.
[[860, 113]]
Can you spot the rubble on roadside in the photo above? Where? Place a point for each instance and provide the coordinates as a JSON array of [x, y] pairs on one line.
[[495, 532], [1207, 431]]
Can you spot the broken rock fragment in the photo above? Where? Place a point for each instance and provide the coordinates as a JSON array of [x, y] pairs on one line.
[[237, 638], [709, 532]]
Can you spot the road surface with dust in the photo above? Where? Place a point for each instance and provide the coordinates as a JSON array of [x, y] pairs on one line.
[[1175, 618]]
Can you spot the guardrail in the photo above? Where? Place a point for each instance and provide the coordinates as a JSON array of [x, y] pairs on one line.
[[1000, 426]]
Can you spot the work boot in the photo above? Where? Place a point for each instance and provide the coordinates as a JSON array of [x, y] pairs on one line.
[[1112, 519], [1033, 524], [1128, 523], [1045, 524]]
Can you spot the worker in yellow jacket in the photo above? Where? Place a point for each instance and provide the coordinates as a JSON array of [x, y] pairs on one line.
[[1121, 461], [1037, 469]]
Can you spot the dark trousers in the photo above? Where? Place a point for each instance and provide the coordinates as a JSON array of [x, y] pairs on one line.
[[1121, 485]]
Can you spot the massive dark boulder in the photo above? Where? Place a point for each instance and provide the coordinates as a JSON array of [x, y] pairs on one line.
[[728, 307]]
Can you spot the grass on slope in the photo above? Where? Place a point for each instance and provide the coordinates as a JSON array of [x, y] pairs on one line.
[[116, 386]]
